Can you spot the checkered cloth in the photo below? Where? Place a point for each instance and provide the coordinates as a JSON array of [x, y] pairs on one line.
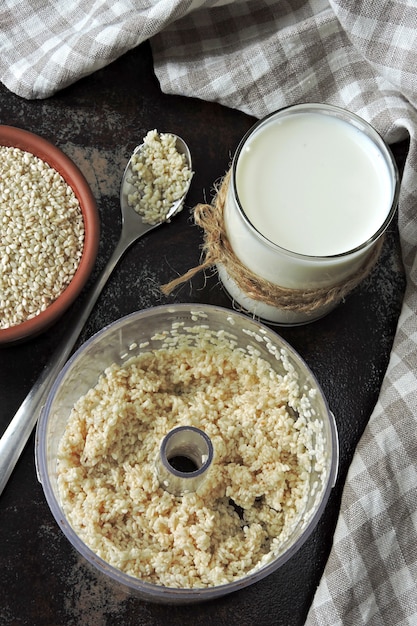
[[257, 56]]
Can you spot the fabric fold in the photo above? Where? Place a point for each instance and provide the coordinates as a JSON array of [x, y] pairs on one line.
[[46, 46]]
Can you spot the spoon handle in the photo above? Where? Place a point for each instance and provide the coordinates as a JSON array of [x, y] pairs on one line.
[[20, 428]]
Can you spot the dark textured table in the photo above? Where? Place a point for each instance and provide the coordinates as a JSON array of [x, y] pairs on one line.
[[98, 122]]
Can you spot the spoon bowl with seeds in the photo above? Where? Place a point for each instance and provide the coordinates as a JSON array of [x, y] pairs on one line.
[[153, 189]]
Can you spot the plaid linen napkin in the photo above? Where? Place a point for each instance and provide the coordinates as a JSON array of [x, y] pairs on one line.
[[258, 56]]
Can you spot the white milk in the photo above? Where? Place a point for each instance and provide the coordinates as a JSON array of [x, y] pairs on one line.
[[312, 189], [314, 184]]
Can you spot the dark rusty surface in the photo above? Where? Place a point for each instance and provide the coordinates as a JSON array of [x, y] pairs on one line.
[[97, 122]]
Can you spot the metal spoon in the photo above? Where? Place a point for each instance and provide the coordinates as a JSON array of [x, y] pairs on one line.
[[20, 428]]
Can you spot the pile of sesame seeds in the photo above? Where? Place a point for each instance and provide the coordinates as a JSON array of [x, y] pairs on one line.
[[41, 235], [160, 177]]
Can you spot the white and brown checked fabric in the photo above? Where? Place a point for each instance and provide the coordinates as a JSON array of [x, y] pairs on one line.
[[257, 56]]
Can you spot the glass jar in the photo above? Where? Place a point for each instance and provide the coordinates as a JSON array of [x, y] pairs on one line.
[[312, 189]]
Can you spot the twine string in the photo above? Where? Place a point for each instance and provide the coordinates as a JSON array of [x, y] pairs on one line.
[[218, 251]]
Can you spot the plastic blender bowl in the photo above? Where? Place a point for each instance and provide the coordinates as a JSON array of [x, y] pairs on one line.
[[143, 331]]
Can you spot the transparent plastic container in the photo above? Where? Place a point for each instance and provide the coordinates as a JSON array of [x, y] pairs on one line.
[[124, 338]]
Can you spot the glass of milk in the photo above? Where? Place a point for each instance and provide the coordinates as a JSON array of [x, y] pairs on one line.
[[312, 188]]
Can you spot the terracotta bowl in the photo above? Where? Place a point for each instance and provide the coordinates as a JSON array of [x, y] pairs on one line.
[[43, 149]]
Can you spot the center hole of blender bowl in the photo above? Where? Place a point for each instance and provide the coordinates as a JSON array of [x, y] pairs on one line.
[[183, 463], [185, 456]]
